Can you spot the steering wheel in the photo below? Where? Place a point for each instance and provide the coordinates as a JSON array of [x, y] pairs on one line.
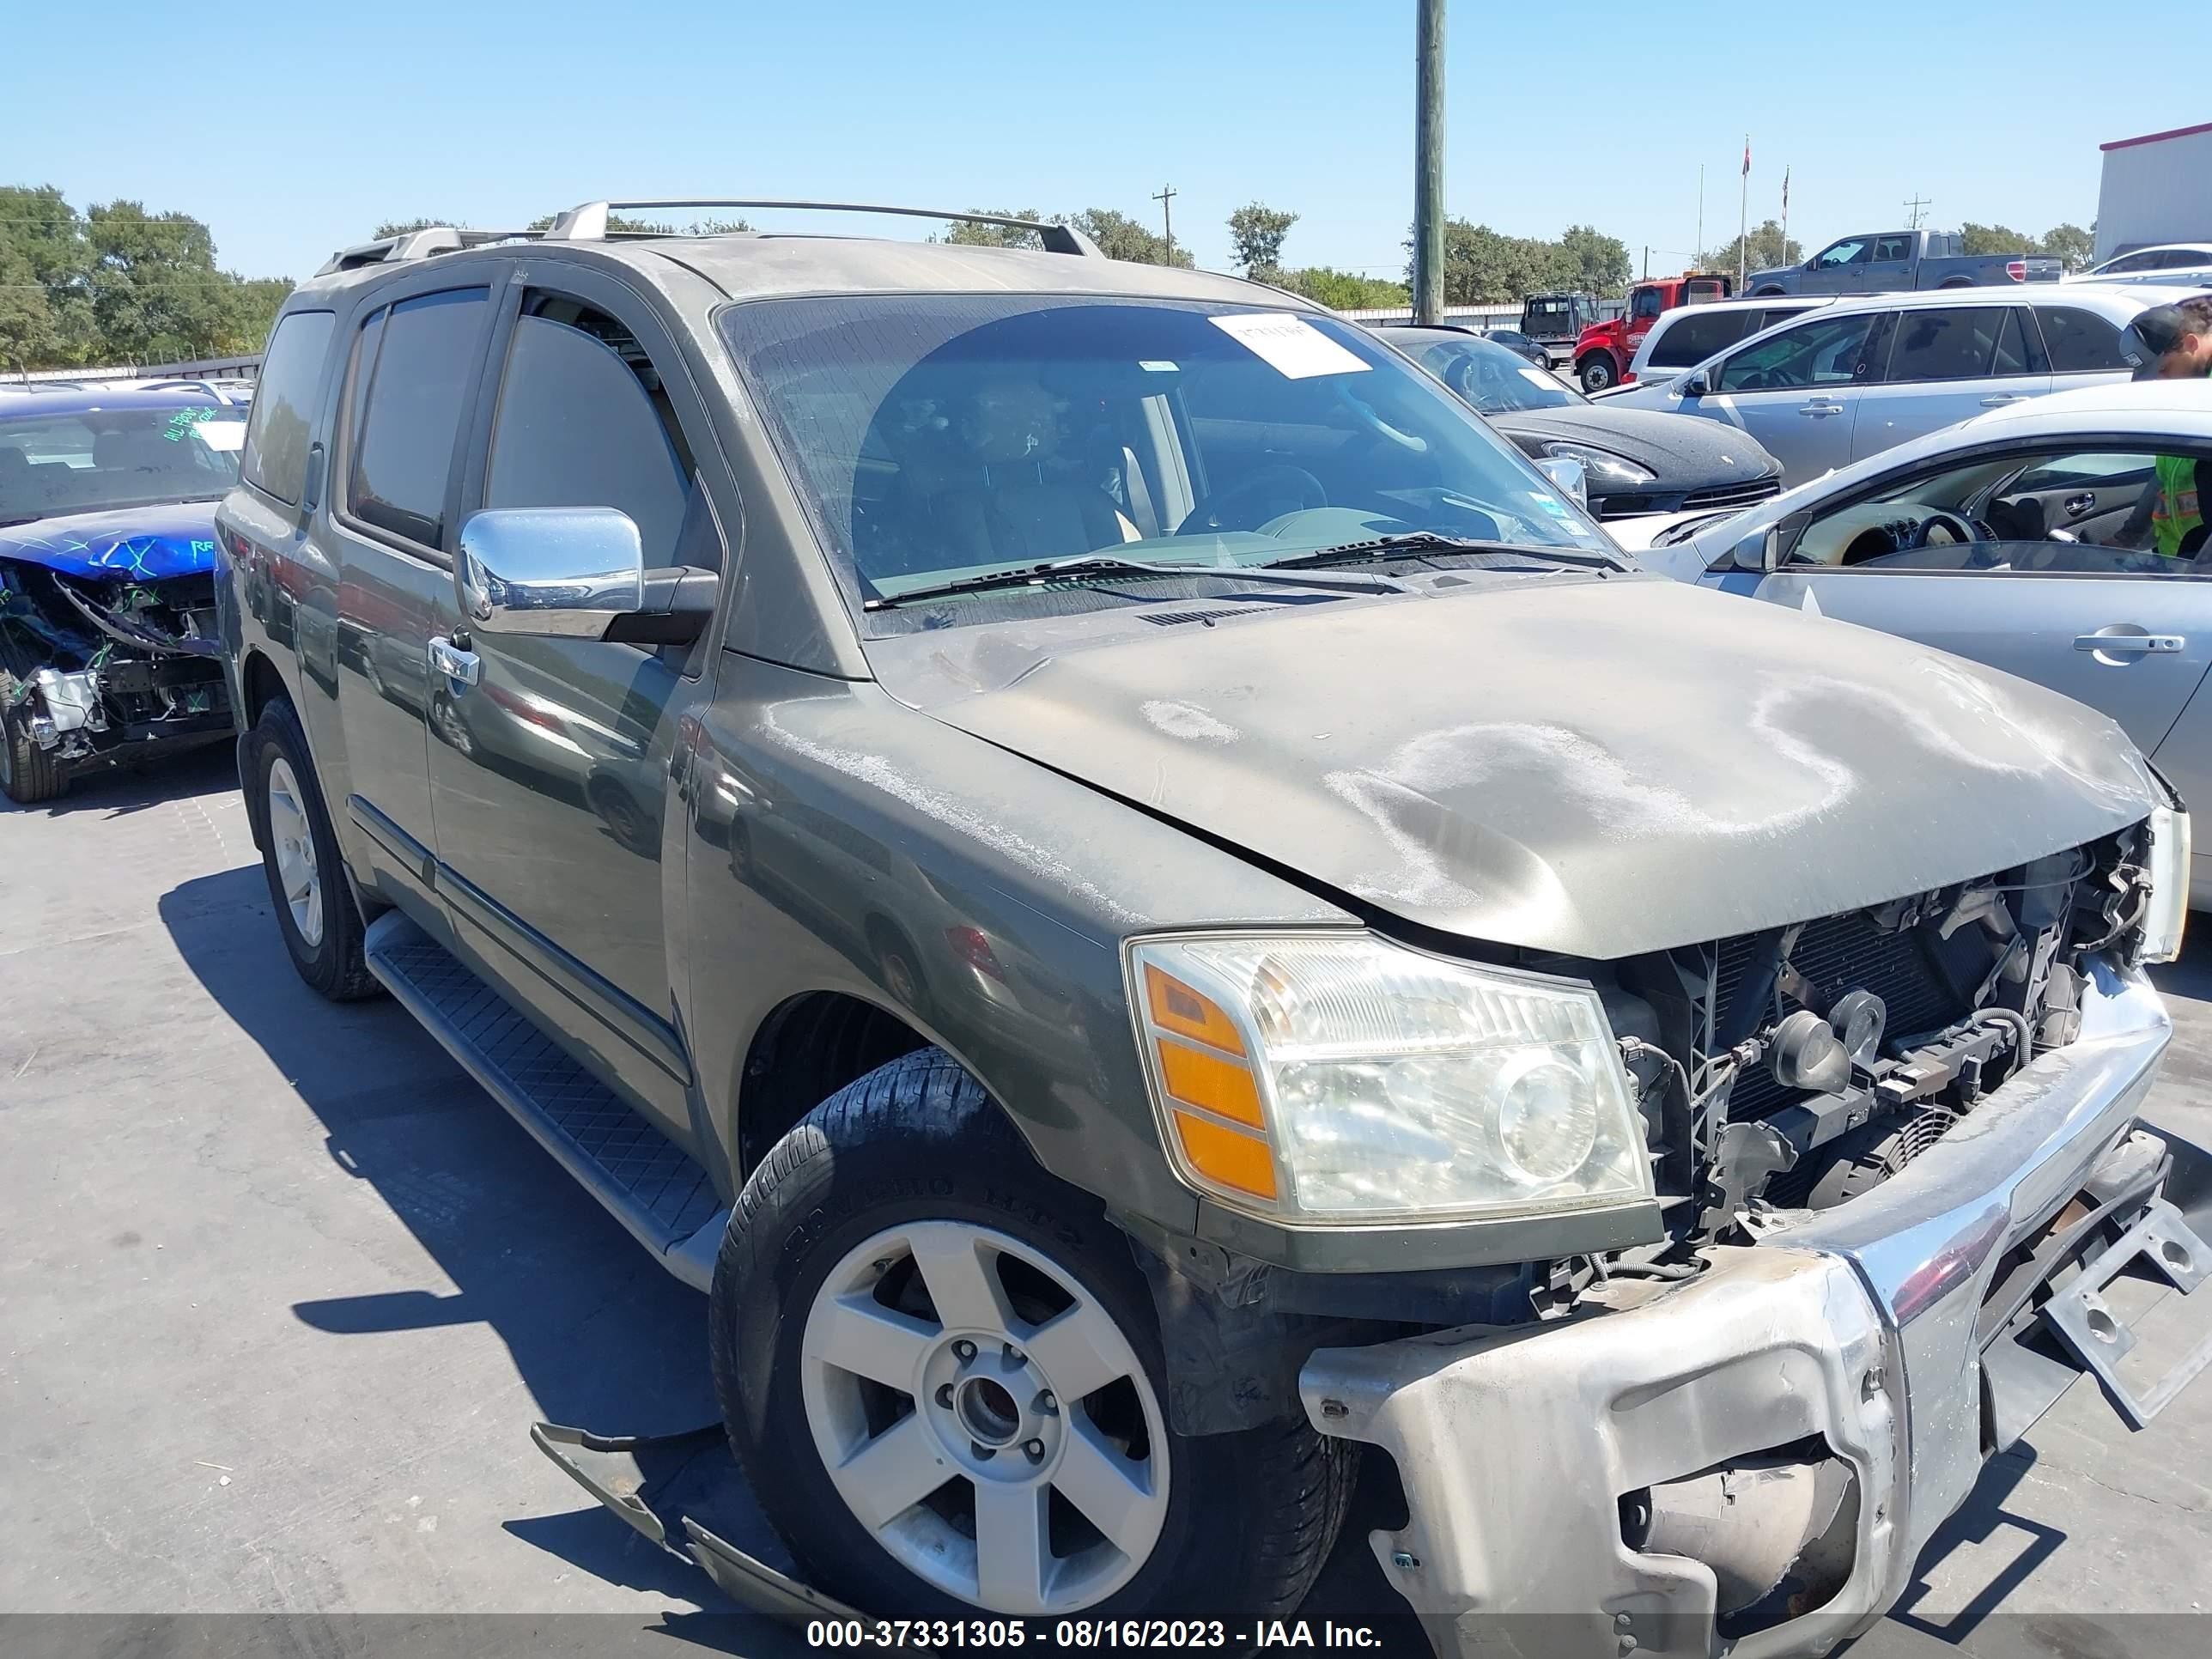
[[1219, 511], [1954, 528]]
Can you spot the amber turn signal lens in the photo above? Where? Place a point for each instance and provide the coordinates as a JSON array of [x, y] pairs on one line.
[[1176, 1007], [1228, 1156], [1199, 1078]]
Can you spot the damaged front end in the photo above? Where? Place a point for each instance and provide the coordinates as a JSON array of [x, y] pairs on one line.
[[1900, 1152], [104, 662]]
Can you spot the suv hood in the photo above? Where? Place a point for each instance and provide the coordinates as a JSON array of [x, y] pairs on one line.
[[140, 544], [1564, 764]]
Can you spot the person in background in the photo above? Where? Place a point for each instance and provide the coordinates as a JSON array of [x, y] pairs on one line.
[[2171, 342]]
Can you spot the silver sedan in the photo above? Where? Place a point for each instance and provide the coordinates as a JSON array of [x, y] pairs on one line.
[[2025, 539]]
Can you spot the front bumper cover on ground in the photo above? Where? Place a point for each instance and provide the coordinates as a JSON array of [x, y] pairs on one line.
[[1862, 1327]]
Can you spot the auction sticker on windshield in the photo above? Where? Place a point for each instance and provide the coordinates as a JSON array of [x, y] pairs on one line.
[[1290, 345]]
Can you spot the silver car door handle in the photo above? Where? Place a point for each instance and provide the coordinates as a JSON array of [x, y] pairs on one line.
[[1820, 407], [2000, 399], [2075, 506], [454, 663], [2130, 645]]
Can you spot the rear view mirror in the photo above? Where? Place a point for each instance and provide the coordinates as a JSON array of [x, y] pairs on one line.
[[567, 571], [1694, 384], [1567, 473]]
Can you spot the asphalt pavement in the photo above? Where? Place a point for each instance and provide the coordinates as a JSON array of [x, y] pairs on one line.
[[282, 1293]]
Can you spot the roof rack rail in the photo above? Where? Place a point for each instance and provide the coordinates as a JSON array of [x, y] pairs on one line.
[[418, 245], [589, 222]]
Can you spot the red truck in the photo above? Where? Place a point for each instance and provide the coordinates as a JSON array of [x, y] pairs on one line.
[[1604, 350]]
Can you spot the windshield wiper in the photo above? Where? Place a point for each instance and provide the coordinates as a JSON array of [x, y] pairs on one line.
[[1083, 565], [1417, 542]]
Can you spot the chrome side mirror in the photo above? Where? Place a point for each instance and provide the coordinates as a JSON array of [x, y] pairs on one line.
[[1567, 472], [1694, 386], [567, 571]]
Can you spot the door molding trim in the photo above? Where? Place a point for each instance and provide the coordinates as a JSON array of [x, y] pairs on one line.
[[614, 1008]]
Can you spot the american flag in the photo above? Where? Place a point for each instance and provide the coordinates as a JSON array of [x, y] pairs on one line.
[[1785, 189], [1746, 158]]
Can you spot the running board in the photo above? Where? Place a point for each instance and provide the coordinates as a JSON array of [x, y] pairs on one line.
[[692, 1480], [647, 1182]]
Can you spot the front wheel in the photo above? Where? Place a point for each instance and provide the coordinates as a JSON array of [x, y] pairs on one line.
[[942, 1373], [28, 774], [1596, 372]]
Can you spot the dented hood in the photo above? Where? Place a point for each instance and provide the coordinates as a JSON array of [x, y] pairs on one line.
[[1594, 768], [133, 544]]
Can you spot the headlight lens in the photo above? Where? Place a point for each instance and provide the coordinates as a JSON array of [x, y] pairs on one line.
[[1328, 1079], [2168, 914], [1603, 467]]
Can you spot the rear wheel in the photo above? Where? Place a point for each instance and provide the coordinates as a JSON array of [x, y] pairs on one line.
[[29, 774], [1596, 372], [942, 1373], [315, 910]]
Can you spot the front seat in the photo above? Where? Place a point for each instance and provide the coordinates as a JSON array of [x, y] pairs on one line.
[[999, 499]]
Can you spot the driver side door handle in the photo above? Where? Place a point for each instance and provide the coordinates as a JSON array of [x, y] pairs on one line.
[[463, 667], [1999, 400], [1820, 406], [2075, 506]]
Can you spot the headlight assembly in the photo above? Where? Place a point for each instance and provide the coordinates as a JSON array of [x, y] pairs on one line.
[[1602, 465], [1321, 1079]]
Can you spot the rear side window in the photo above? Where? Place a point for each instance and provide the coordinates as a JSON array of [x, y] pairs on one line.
[[424, 356], [283, 407], [1692, 339], [2079, 342], [1947, 344], [583, 421]]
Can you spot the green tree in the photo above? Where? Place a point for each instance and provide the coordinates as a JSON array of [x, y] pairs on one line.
[[621, 224], [156, 293], [1256, 236], [2071, 246], [1766, 248], [1483, 266], [1994, 239], [401, 226], [1340, 290], [1602, 260], [45, 281], [966, 233]]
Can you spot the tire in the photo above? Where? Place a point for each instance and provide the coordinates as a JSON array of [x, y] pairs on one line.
[[29, 774], [323, 937], [912, 1162], [1596, 372]]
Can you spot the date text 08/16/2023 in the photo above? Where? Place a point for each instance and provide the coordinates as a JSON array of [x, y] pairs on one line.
[[1086, 1633]]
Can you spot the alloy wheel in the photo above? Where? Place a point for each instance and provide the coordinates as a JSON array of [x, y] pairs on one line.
[[293, 840], [985, 1418]]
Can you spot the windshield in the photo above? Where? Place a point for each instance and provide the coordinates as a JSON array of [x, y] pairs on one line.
[[85, 460], [1495, 380], [942, 437]]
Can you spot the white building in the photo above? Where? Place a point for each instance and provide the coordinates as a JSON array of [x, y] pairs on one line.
[[2157, 188]]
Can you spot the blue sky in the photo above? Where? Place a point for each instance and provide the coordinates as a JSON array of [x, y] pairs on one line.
[[493, 113]]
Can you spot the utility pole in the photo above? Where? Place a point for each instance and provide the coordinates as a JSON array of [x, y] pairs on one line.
[[1743, 219], [1647, 262], [1429, 161], [1914, 208], [1165, 197]]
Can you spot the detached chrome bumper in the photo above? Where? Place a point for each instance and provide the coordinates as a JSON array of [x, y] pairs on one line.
[[1861, 1326]]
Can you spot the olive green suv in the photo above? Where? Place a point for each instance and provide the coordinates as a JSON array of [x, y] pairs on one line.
[[1147, 906]]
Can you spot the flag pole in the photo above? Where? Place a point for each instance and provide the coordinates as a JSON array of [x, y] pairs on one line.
[[1785, 215], [1701, 210], [1743, 217]]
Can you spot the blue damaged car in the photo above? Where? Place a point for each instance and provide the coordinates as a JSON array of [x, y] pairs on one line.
[[108, 643]]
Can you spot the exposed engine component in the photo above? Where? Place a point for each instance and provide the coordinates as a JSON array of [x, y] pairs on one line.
[[1802, 1066]]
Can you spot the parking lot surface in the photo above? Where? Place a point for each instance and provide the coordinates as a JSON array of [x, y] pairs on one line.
[[281, 1291]]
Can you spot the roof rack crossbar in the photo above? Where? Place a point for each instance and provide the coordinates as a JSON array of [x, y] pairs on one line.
[[589, 222], [418, 245]]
